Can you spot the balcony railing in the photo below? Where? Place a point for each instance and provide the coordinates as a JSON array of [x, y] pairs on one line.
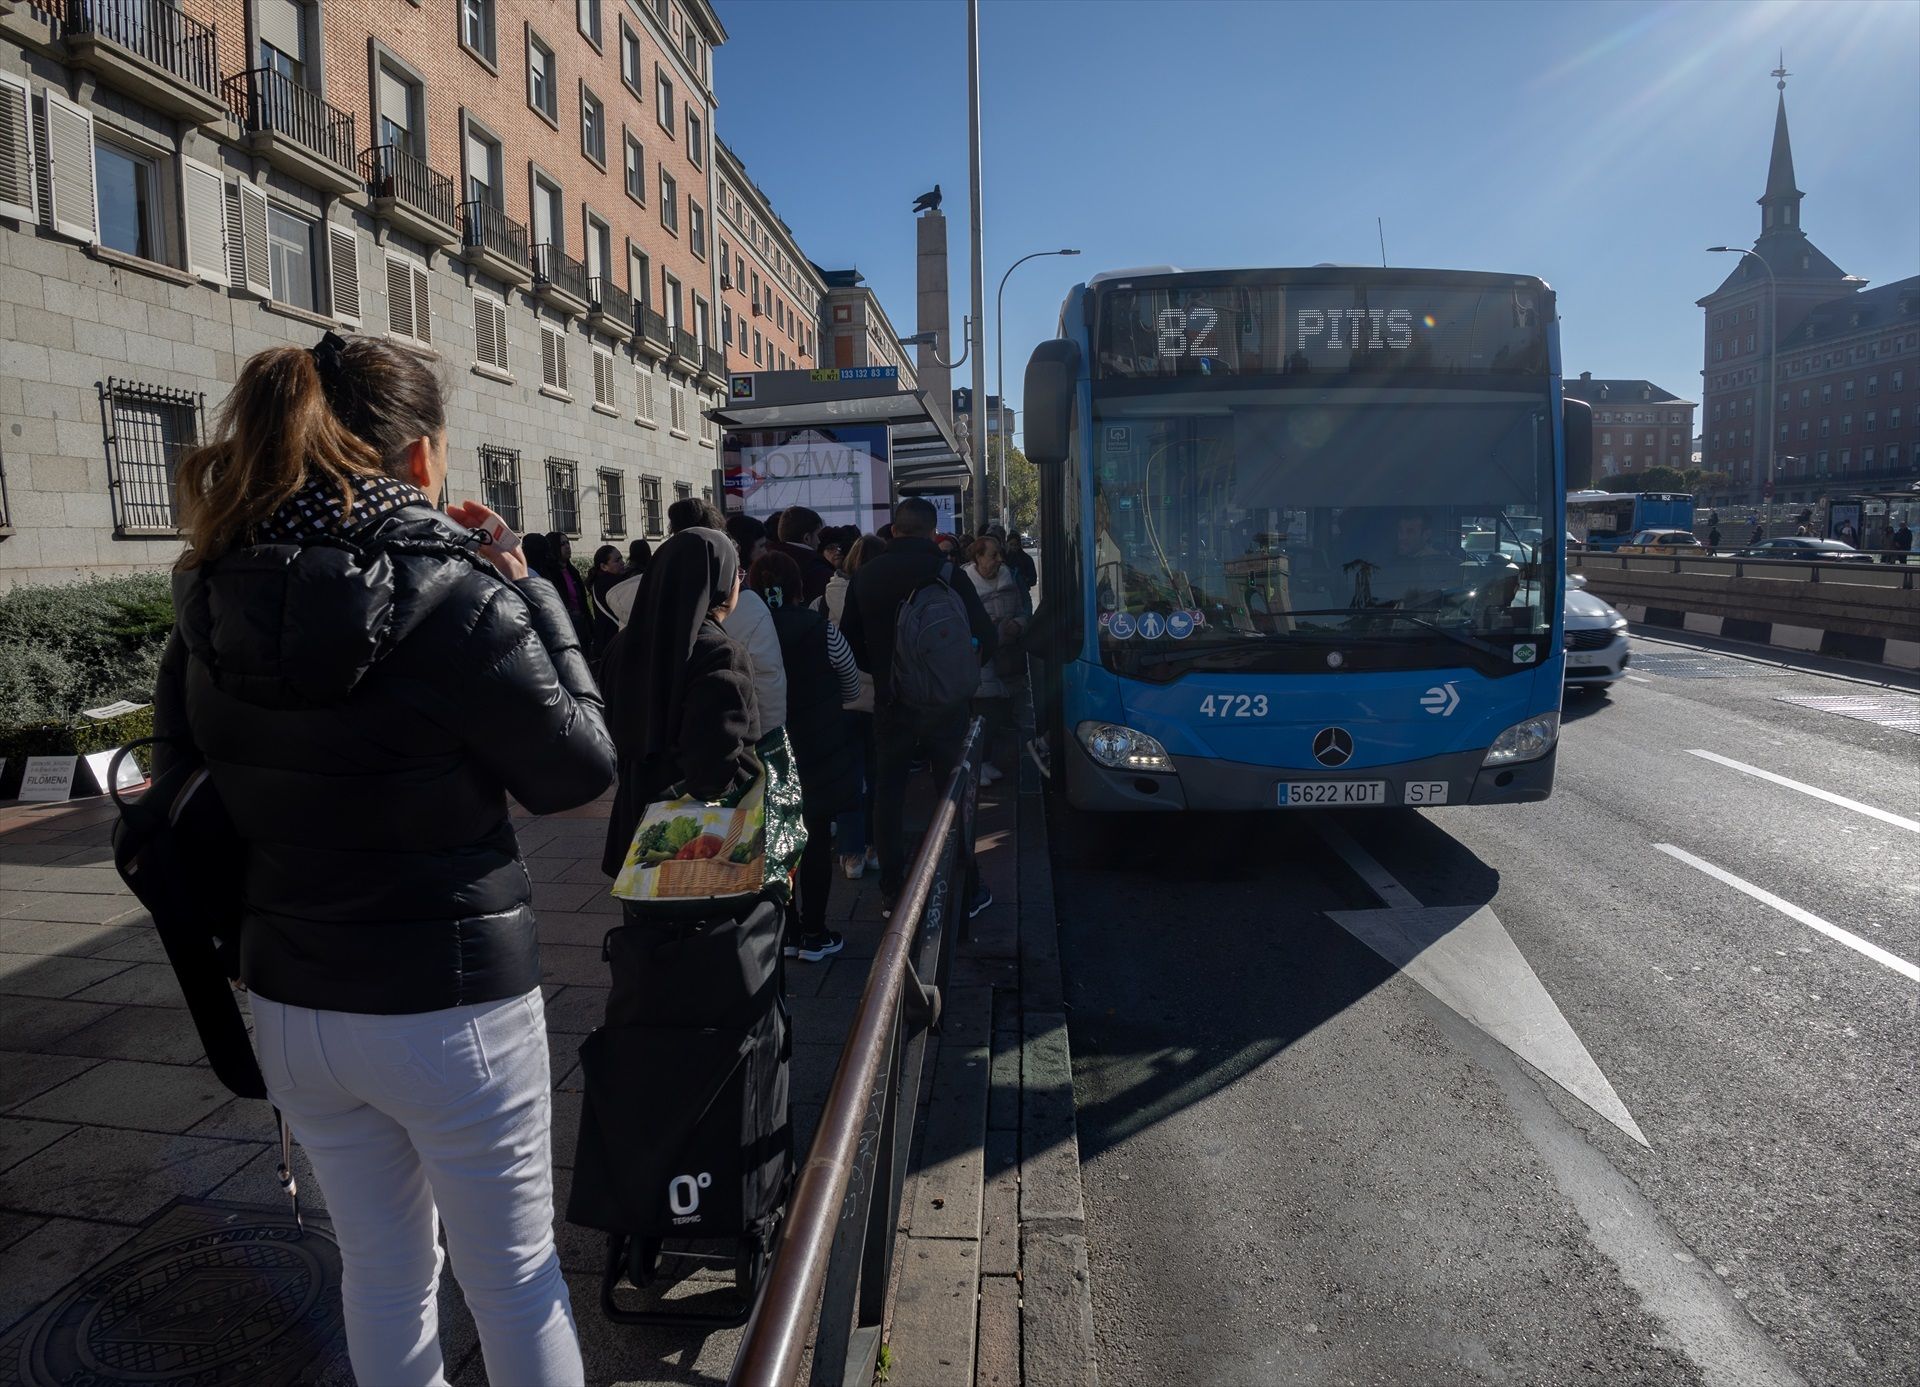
[[155, 30], [555, 268], [485, 227], [716, 363], [392, 172], [653, 327], [684, 346], [610, 300], [268, 102]]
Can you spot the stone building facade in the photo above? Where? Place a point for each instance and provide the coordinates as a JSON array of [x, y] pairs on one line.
[[1844, 407], [769, 291], [521, 192], [856, 331], [1636, 425]]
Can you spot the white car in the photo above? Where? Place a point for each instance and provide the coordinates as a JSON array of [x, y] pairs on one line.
[[1596, 638]]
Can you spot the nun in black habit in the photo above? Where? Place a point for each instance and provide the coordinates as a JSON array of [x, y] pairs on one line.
[[679, 690]]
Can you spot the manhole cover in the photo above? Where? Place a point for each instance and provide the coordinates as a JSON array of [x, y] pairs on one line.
[[1698, 666], [207, 1294], [1894, 713]]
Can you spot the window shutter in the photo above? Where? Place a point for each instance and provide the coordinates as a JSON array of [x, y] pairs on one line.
[[204, 194], [247, 266], [643, 393], [547, 370], [553, 357], [343, 273], [66, 152], [422, 304], [485, 342], [602, 377], [19, 197], [282, 25], [500, 336], [399, 297]]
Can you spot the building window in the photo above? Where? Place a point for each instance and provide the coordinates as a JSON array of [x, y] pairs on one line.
[[1846, 390], [409, 301], [1846, 457], [757, 340], [1803, 430], [1821, 459], [702, 322], [500, 482], [553, 357], [593, 127], [663, 99], [1899, 381], [1606, 440], [670, 300], [603, 379], [635, 169], [650, 504], [1866, 458], [639, 275], [589, 20], [1893, 420], [677, 410], [696, 140], [643, 396], [697, 229], [1806, 397], [130, 187], [1893, 456], [149, 429], [563, 496], [726, 325], [1872, 422], [292, 264], [1873, 385], [477, 30], [489, 331], [548, 226], [613, 504], [543, 79], [1846, 424], [283, 30], [629, 56], [683, 491], [669, 202], [484, 174]]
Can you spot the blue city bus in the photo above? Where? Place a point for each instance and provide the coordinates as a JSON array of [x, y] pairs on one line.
[[1301, 538], [1605, 520]]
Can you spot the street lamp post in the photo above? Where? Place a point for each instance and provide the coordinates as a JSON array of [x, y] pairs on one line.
[[1773, 344], [1000, 373]]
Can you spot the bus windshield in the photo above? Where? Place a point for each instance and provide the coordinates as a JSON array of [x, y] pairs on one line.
[[1288, 520]]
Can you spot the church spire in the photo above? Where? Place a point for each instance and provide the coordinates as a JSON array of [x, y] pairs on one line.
[[1780, 204]]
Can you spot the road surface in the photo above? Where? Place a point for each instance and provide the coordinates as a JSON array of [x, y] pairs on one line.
[[1310, 1158]]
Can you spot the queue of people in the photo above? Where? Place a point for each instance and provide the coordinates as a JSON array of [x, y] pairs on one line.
[[370, 680]]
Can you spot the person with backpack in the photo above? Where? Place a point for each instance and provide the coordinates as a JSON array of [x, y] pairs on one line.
[[821, 677], [919, 629], [1006, 601], [367, 681]]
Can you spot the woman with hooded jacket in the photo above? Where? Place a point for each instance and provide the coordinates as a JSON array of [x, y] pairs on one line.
[[367, 682], [680, 690]]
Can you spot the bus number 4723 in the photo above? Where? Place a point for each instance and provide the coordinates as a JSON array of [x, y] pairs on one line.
[[1233, 706]]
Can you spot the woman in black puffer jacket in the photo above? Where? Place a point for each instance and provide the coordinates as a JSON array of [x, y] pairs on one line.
[[368, 680]]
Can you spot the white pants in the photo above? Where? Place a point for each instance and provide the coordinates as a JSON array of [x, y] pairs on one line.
[[400, 1114]]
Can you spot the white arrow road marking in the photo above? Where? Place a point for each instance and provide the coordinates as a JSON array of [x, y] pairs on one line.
[[1794, 912], [1464, 956], [1855, 805]]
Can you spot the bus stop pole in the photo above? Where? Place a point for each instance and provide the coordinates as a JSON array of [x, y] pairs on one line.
[[977, 433]]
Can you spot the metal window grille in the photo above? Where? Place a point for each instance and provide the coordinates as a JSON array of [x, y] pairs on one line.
[[650, 504], [500, 482], [147, 431], [613, 504], [682, 491], [563, 495]]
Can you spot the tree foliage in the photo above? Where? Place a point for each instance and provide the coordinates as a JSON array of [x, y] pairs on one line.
[[1693, 479], [1023, 490]]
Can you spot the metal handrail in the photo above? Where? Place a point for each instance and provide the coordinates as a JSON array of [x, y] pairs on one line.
[[715, 362], [485, 227], [833, 1247], [156, 30], [265, 100], [610, 299], [653, 325], [684, 345], [551, 265], [397, 173]]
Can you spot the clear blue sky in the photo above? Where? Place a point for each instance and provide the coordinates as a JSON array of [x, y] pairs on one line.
[[1600, 146]]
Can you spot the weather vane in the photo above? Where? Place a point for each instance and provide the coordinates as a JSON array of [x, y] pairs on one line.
[[1781, 71]]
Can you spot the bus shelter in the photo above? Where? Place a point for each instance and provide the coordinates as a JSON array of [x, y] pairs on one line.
[[845, 442]]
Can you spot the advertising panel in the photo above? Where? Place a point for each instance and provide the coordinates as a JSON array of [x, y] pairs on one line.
[[841, 471]]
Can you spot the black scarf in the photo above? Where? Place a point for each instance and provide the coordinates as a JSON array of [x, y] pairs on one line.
[[692, 573]]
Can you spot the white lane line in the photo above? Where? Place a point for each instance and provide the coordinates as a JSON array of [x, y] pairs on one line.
[[1910, 825], [1639, 678], [1794, 912]]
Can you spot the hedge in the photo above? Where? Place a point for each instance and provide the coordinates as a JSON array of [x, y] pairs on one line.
[[78, 646]]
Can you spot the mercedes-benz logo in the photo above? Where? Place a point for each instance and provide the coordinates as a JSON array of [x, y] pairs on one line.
[[1332, 746]]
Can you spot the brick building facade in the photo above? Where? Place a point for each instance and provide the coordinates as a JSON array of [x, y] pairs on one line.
[[1844, 408], [1636, 425], [856, 331], [769, 291], [522, 192]]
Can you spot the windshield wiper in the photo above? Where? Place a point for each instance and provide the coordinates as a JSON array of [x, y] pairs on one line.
[[1276, 640]]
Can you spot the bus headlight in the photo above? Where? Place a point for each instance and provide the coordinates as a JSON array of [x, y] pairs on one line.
[[1524, 741], [1123, 749]]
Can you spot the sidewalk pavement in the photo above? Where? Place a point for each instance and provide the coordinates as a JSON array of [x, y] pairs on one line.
[[143, 1233]]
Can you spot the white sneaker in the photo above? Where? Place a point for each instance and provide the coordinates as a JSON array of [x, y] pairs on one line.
[[990, 773]]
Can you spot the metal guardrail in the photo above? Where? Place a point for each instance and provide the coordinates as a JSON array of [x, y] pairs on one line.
[[393, 172], [484, 226], [1889, 570], [266, 101], [610, 299], [652, 325], [553, 266], [156, 30], [685, 346], [832, 1266]]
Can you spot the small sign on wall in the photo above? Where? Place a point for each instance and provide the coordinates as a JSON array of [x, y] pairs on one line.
[[48, 778]]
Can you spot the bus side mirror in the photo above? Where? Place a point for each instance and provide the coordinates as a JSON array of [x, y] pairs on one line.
[[1053, 372], [1576, 422]]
